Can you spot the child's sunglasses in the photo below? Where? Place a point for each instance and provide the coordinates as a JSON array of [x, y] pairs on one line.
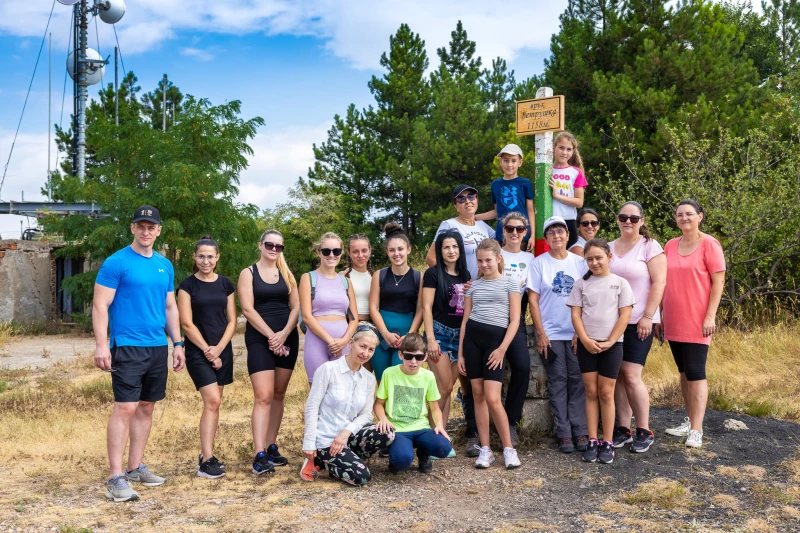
[[410, 356]]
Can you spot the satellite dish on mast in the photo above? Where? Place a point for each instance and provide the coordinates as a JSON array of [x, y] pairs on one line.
[[68, 2], [94, 71], [110, 11]]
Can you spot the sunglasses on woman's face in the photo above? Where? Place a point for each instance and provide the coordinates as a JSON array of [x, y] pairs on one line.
[[519, 229], [328, 251], [410, 356], [633, 218], [592, 223], [272, 246], [463, 199]]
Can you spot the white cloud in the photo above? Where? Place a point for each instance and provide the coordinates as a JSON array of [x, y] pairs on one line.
[[356, 30], [198, 53]]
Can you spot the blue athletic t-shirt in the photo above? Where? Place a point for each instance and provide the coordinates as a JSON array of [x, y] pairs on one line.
[[138, 314], [511, 195]]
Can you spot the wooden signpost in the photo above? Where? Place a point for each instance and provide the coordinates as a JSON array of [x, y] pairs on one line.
[[540, 115]]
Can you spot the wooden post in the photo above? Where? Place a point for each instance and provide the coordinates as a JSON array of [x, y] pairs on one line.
[[544, 172]]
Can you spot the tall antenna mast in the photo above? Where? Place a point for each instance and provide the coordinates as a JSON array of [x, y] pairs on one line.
[[49, 106]]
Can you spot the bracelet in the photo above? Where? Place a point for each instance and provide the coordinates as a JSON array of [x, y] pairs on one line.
[[176, 344], [647, 317]]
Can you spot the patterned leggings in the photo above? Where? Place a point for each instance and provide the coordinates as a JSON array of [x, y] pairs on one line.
[[347, 465]]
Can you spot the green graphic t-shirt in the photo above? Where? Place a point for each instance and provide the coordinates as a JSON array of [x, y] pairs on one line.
[[407, 396]]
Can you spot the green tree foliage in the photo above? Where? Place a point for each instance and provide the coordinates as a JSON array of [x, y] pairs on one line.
[[190, 172], [153, 103]]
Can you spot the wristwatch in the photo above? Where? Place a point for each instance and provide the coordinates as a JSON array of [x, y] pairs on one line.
[[176, 344]]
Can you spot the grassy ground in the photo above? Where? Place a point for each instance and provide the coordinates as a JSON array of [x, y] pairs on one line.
[[52, 458]]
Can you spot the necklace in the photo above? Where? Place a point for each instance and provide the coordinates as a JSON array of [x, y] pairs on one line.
[[396, 281]]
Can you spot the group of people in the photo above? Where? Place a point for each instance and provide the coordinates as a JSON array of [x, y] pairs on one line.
[[595, 308]]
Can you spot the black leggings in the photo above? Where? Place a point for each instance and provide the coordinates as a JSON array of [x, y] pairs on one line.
[[691, 359], [520, 362], [480, 340]]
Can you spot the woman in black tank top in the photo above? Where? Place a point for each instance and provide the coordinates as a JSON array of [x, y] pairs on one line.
[[268, 296]]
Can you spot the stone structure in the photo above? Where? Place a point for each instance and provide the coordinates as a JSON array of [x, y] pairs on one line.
[[27, 281], [536, 413]]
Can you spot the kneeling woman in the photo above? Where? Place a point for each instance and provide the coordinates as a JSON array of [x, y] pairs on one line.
[[339, 430]]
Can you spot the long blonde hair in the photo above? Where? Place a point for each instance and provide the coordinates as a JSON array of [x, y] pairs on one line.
[[493, 246], [575, 160], [283, 268]]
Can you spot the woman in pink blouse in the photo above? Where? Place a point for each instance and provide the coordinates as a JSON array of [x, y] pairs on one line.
[[639, 259], [695, 279]]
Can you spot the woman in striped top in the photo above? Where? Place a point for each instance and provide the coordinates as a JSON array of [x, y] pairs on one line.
[[491, 319]]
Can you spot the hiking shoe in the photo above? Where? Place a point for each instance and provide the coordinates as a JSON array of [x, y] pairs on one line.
[[118, 489], [644, 439], [605, 453], [582, 443], [393, 469], [213, 460], [512, 429], [565, 445], [590, 455], [275, 456], [460, 398], [310, 470], [511, 458], [695, 439], [262, 464], [473, 447], [210, 469], [144, 476], [621, 437], [425, 463], [485, 457], [681, 430]]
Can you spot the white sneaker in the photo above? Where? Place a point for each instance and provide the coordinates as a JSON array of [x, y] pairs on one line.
[[485, 458], [511, 458], [681, 430], [695, 439]]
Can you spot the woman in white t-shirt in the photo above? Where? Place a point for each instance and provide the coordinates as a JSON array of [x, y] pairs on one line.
[[639, 259], [517, 266], [359, 271]]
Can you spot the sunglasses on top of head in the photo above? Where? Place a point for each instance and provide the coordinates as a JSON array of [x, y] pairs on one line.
[[633, 218], [272, 246], [463, 199], [328, 251], [519, 229], [410, 356], [592, 223]]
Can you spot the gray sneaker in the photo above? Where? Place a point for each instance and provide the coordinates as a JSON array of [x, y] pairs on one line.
[[144, 476], [512, 429], [117, 489], [473, 447]]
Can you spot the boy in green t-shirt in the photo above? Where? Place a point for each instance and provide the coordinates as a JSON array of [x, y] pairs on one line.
[[401, 406]]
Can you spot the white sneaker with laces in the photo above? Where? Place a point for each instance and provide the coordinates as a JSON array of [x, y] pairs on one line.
[[511, 458], [681, 430], [485, 458], [695, 439]]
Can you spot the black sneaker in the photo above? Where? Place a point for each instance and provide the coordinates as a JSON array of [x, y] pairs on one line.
[[275, 456], [582, 443], [622, 436], [262, 464], [393, 469], [425, 463], [210, 469], [606, 453], [514, 433], [644, 439], [565, 445], [590, 455], [473, 447], [213, 460]]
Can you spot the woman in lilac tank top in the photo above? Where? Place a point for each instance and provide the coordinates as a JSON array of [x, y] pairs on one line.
[[326, 302]]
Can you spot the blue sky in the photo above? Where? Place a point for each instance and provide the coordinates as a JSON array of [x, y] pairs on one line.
[[294, 64]]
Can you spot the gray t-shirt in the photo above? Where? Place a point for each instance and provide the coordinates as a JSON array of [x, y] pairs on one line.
[[490, 303], [601, 298]]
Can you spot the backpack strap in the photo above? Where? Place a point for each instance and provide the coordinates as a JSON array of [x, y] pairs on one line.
[[313, 276], [382, 278], [346, 285], [417, 276]]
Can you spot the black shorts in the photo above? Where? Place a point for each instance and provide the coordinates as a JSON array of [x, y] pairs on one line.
[[139, 373], [261, 358], [201, 371], [605, 363], [480, 340], [633, 349], [690, 357], [572, 227]]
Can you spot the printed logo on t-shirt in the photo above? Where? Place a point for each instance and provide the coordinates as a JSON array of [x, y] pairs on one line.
[[562, 284], [457, 299], [563, 184], [517, 271], [408, 403], [473, 238], [508, 195]]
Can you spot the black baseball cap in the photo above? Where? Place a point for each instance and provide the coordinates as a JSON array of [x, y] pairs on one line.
[[148, 213], [461, 188]]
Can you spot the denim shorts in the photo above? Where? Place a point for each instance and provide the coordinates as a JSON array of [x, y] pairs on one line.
[[447, 339]]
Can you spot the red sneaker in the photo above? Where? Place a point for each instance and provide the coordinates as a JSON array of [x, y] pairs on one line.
[[310, 470]]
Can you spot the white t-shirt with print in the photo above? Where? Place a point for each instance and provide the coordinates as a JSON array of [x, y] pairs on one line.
[[552, 279], [517, 266], [567, 180]]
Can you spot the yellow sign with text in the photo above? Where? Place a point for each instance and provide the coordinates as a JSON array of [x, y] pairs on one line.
[[540, 115]]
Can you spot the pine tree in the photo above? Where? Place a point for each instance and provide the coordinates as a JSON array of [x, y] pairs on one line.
[[153, 103], [497, 86]]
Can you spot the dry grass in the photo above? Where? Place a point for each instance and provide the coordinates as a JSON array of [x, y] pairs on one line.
[[754, 373], [663, 493]]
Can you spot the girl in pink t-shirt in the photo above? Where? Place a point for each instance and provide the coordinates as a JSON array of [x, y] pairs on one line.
[[639, 259], [568, 182], [695, 279]]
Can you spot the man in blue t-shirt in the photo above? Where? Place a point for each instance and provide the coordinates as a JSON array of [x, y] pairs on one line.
[[134, 295]]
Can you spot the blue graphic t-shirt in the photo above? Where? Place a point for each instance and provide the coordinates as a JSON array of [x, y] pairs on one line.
[[511, 195], [138, 314], [552, 279]]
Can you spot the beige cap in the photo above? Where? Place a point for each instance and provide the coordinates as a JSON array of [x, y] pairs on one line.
[[511, 149]]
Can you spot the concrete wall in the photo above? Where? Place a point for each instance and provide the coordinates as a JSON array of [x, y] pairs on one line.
[[27, 281]]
